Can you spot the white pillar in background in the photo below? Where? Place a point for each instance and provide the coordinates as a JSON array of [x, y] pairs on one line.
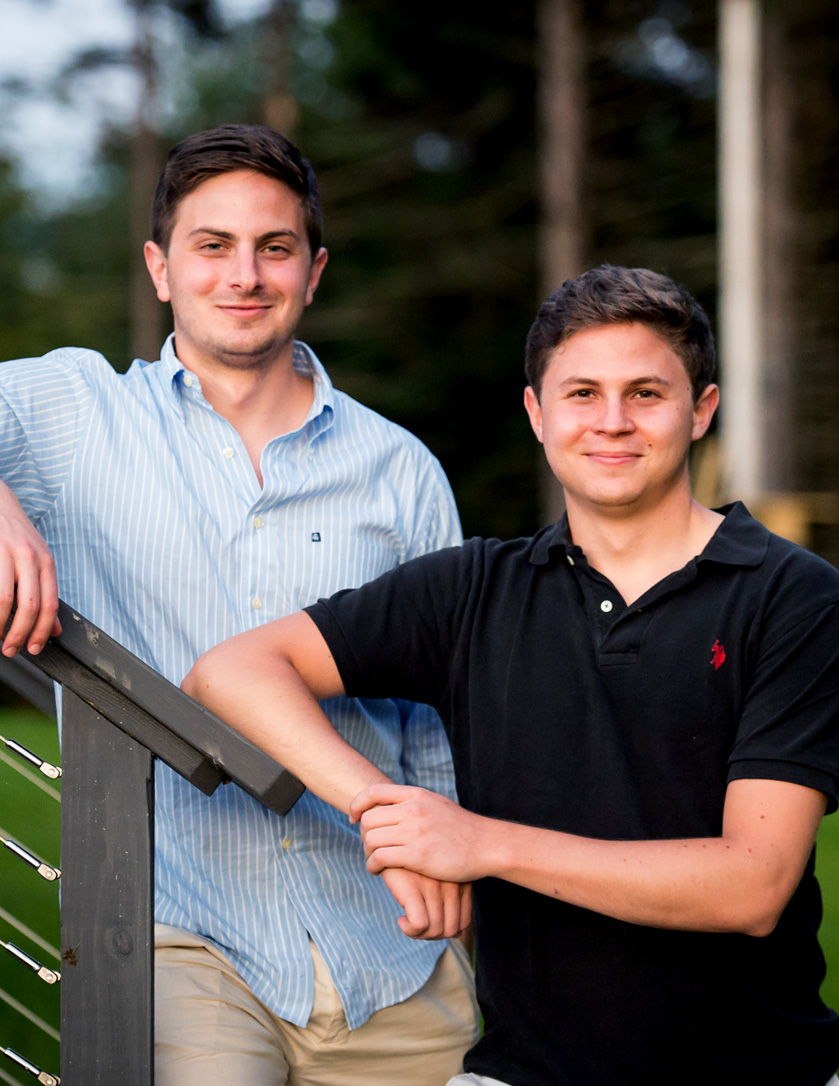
[[741, 293]]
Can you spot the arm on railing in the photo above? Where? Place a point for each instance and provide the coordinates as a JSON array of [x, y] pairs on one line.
[[150, 709]]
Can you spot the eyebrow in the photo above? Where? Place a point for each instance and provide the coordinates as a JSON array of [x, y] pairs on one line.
[[636, 382], [227, 236]]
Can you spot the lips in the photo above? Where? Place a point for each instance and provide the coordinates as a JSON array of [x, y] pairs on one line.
[[244, 311], [613, 457]]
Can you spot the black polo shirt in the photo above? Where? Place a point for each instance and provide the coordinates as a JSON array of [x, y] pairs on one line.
[[569, 710]]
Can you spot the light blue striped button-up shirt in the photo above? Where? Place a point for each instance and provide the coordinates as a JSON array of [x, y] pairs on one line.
[[162, 536]]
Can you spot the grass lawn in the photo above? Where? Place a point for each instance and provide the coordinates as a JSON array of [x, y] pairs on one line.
[[32, 819], [827, 869]]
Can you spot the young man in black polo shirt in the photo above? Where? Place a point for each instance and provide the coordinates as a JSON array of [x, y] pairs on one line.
[[642, 703]]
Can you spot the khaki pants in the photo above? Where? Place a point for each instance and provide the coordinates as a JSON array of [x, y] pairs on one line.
[[210, 1029], [475, 1080]]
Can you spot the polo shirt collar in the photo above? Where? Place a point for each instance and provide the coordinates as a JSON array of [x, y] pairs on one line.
[[304, 360], [554, 537], [739, 541]]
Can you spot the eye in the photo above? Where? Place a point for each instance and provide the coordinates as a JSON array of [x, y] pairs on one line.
[[581, 394], [646, 394]]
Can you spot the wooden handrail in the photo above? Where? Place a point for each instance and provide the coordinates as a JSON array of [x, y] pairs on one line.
[[118, 714]]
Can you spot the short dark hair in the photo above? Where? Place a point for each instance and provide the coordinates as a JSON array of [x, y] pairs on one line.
[[224, 150], [614, 295]]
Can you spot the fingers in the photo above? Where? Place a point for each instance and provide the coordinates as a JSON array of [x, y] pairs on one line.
[[26, 569], [7, 587], [465, 902], [441, 914], [444, 902], [450, 899], [36, 616], [433, 910], [47, 625], [406, 889], [376, 794], [381, 859]]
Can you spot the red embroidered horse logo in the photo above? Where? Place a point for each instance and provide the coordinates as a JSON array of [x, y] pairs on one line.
[[718, 659]]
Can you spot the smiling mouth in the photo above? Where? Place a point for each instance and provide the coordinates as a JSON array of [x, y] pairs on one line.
[[240, 310], [613, 457]]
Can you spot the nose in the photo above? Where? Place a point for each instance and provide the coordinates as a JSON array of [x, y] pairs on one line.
[[244, 271], [614, 417]]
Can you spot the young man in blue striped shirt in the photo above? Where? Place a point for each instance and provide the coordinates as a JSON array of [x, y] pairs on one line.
[[199, 496]]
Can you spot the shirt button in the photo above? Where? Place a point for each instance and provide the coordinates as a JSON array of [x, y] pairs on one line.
[[286, 843], [256, 603], [228, 451], [570, 560], [188, 381], [258, 523], [606, 606]]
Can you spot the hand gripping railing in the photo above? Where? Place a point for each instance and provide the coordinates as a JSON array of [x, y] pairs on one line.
[[117, 715]]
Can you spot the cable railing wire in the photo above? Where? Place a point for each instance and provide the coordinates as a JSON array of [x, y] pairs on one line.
[[30, 1016], [45, 870], [8, 1078], [45, 767], [33, 936], [43, 1077], [21, 956], [29, 776], [43, 972], [118, 715]]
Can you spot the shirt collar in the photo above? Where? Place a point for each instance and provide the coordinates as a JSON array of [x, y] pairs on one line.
[[304, 360], [739, 541]]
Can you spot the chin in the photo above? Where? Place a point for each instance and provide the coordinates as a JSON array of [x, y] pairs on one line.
[[608, 501], [246, 355]]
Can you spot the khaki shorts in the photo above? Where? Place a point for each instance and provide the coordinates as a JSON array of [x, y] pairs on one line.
[[210, 1029]]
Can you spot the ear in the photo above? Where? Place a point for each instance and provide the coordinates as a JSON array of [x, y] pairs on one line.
[[318, 264], [703, 411], [156, 263], [534, 410]]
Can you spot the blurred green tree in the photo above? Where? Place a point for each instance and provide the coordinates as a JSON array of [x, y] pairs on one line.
[[424, 134]]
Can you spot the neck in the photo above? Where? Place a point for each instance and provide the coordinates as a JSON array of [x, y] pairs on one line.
[[636, 550], [261, 403]]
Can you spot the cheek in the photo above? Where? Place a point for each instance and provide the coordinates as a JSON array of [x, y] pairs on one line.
[[194, 281], [561, 432]]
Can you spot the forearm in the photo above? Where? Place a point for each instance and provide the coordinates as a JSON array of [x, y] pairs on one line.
[[702, 884], [258, 691], [739, 882]]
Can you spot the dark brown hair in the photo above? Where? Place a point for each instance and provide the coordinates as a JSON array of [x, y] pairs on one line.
[[224, 150], [613, 295]]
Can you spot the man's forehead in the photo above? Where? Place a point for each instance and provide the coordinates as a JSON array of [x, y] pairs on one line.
[[629, 351], [235, 195]]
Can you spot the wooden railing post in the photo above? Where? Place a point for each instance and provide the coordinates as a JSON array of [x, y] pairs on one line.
[[117, 716], [107, 857]]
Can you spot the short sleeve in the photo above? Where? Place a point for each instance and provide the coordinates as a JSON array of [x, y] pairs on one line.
[[398, 636], [789, 725]]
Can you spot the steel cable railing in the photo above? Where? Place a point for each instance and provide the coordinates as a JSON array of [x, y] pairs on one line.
[[16, 1055], [117, 714], [28, 775]]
